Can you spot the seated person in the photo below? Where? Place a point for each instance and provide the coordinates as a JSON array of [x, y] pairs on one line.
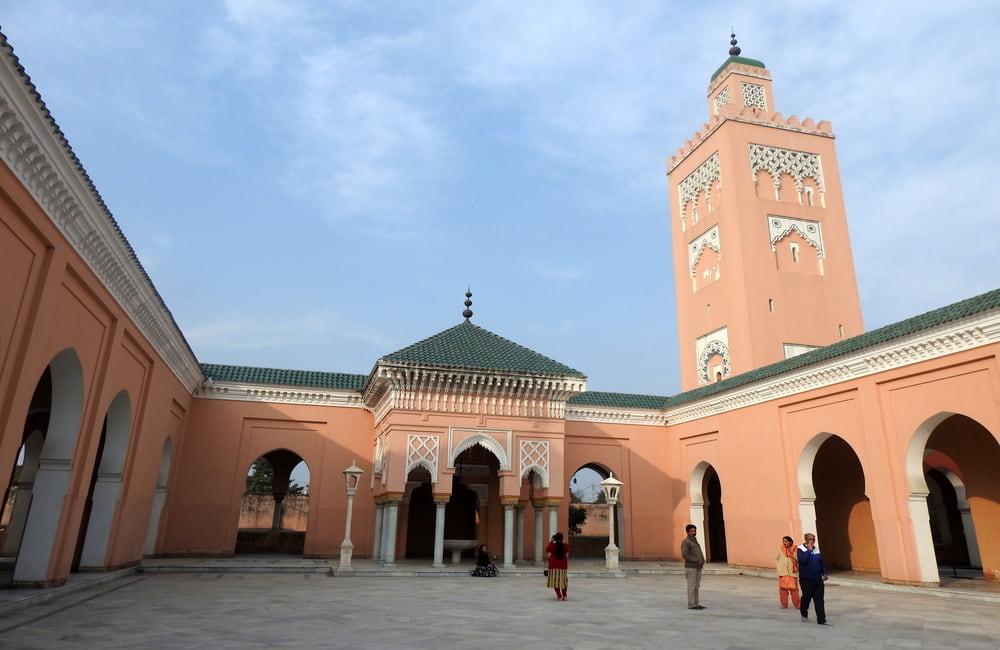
[[484, 564]]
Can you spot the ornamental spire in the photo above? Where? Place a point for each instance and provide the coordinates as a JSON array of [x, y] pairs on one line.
[[735, 49], [467, 313]]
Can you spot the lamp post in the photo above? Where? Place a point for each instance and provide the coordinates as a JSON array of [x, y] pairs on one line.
[[351, 477], [611, 487]]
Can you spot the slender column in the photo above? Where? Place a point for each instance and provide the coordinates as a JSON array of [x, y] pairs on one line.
[[379, 512], [539, 532], [553, 506], [440, 501], [519, 532], [508, 531], [392, 501]]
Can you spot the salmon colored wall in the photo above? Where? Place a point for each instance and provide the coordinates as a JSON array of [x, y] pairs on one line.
[[55, 302]]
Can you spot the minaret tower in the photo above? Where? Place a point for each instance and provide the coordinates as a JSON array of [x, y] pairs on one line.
[[762, 258]]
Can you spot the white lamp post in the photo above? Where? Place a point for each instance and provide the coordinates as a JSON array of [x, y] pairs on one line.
[[351, 477], [611, 487]]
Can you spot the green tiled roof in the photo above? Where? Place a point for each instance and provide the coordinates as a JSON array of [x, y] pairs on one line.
[[737, 59], [218, 372], [961, 309], [470, 346], [621, 400]]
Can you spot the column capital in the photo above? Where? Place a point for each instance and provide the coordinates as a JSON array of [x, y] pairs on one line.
[[441, 499], [521, 505], [538, 505], [392, 498], [508, 502], [553, 503]]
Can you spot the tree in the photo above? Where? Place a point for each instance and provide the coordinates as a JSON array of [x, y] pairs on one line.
[[577, 517], [260, 477]]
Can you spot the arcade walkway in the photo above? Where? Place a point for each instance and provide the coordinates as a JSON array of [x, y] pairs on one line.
[[257, 602]]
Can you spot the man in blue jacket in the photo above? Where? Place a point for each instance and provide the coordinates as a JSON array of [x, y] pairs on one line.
[[812, 575]]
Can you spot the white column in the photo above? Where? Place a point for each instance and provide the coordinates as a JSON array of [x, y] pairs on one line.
[[439, 506], [553, 507], [392, 505], [519, 532], [377, 548], [508, 535], [539, 532]]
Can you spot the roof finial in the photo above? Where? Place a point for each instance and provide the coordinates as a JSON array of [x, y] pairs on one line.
[[734, 50], [467, 313]]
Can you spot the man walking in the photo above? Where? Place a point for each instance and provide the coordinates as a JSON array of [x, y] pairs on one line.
[[812, 575], [694, 561]]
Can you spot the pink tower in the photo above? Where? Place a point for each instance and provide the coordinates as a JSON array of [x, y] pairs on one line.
[[762, 256]]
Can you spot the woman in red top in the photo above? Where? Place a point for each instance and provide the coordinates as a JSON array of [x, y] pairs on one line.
[[557, 553]]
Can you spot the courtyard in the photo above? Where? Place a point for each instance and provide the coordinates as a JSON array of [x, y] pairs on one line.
[[314, 609]]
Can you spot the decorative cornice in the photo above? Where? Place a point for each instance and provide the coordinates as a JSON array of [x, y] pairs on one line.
[[36, 151], [247, 392], [610, 415], [480, 392]]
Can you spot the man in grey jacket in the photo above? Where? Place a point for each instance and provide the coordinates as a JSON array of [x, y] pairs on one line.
[[694, 561]]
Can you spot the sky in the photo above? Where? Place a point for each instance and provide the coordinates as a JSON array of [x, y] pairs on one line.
[[315, 184]]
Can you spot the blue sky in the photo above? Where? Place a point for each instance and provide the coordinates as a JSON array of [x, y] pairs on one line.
[[313, 185]]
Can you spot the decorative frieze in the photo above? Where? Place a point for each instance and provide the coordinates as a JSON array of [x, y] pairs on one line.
[[248, 392], [721, 100]]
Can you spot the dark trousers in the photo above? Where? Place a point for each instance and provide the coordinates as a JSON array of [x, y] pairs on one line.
[[812, 592]]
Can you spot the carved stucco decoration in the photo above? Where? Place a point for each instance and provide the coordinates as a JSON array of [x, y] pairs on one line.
[[721, 99], [535, 456], [753, 95], [486, 438], [700, 180], [781, 227], [422, 451], [777, 161], [715, 343], [708, 239]]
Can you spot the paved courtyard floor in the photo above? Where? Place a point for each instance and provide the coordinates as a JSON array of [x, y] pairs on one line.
[[313, 610]]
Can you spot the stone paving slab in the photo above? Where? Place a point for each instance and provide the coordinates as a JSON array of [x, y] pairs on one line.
[[310, 610]]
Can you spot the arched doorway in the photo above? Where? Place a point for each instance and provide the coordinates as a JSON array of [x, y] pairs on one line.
[[105, 486], [274, 510], [473, 511], [955, 498], [832, 483], [56, 409], [589, 513], [707, 512], [420, 515]]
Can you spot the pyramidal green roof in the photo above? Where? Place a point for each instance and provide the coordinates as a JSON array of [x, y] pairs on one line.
[[250, 375], [470, 346], [737, 59]]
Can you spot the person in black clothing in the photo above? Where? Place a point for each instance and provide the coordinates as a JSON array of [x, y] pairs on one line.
[[484, 564]]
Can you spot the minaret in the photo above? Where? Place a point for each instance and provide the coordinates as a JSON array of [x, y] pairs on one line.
[[762, 258]]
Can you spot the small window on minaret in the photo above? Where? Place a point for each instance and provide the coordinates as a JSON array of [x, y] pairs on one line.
[[841, 328], [808, 195], [708, 310], [770, 304], [795, 252]]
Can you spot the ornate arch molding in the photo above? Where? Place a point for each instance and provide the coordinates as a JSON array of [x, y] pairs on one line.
[[534, 455], [422, 451], [483, 439]]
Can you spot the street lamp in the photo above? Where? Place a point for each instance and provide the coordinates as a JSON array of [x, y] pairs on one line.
[[351, 477], [611, 487]]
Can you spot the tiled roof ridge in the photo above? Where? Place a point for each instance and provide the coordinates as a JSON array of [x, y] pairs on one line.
[[88, 181], [283, 376]]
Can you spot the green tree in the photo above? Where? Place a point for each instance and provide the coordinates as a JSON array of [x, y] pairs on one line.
[[577, 517], [260, 477]]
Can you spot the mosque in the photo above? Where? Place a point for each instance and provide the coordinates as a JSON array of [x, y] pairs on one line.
[[117, 443]]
